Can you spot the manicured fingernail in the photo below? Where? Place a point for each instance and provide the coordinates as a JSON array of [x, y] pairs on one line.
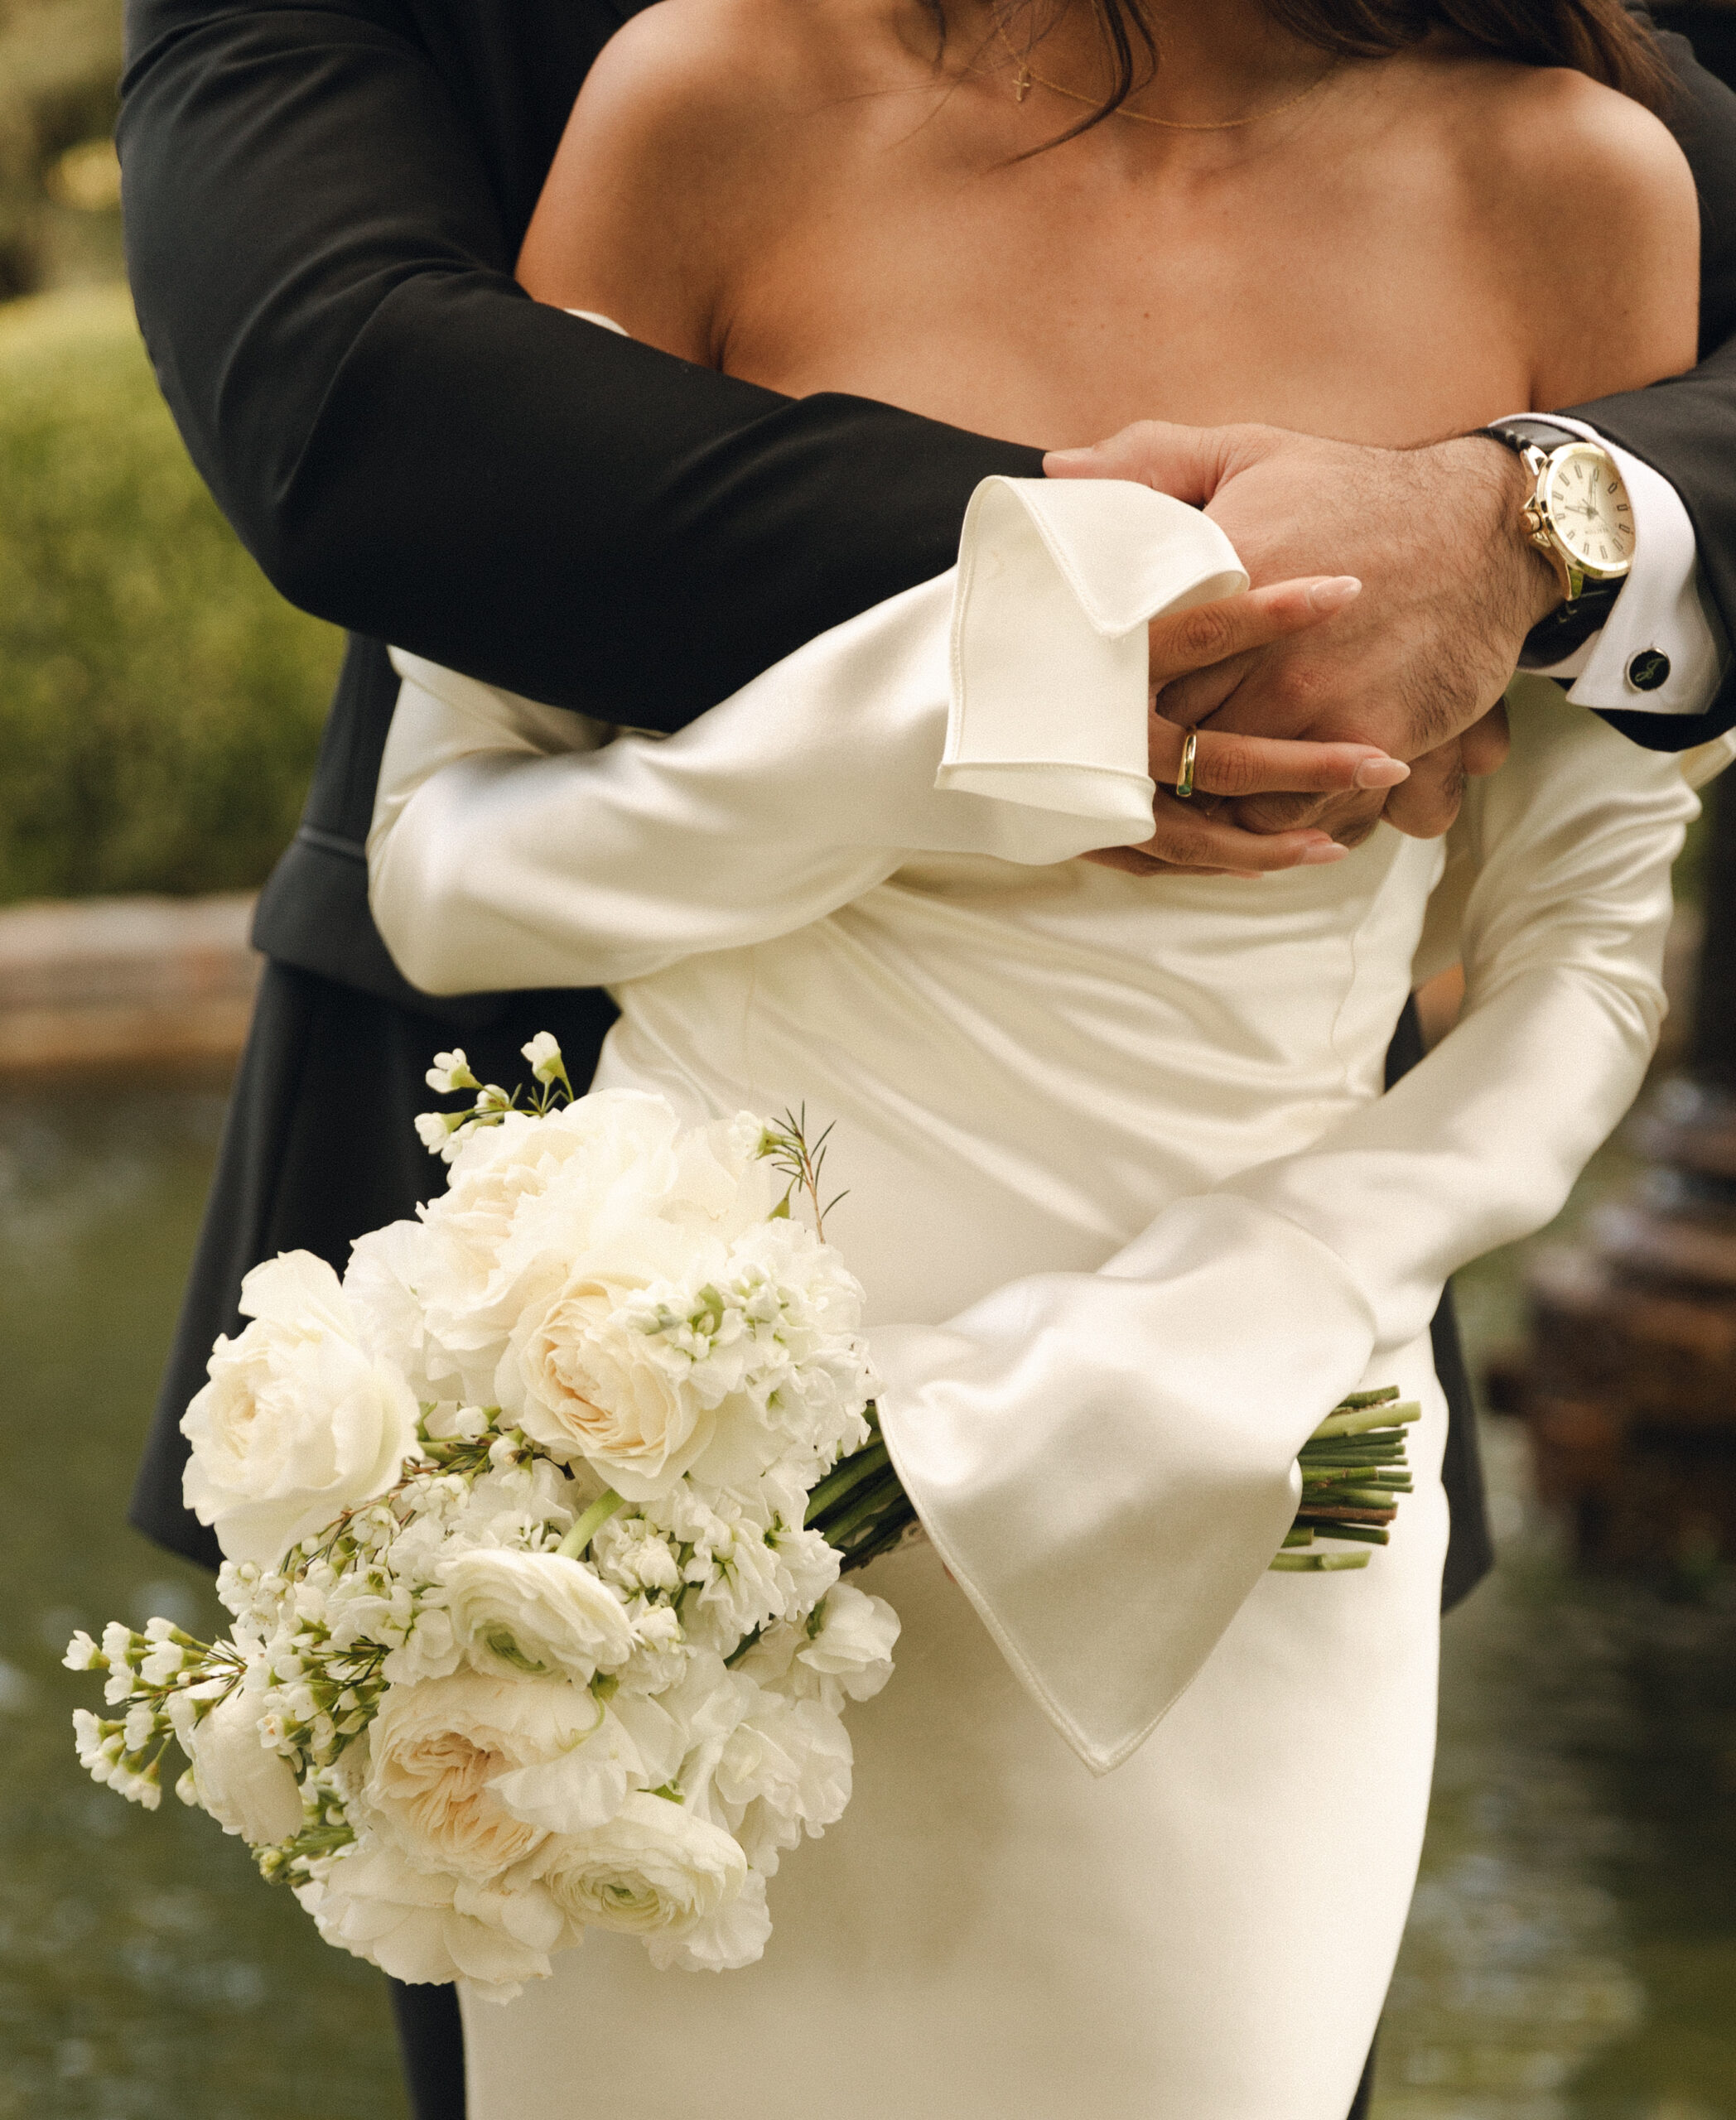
[[1068, 456], [1382, 773], [1335, 592], [1321, 856]]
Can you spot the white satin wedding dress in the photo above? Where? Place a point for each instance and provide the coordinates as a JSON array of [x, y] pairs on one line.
[[1136, 1824]]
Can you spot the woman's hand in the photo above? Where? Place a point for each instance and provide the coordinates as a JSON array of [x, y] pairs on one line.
[[1194, 834]]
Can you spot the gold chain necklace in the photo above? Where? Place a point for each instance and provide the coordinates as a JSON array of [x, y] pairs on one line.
[[1027, 74]]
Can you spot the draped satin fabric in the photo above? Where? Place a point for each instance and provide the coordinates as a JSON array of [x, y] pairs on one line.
[[1136, 1822]]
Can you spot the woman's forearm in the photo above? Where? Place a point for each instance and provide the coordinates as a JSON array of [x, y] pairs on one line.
[[1000, 709], [1564, 933]]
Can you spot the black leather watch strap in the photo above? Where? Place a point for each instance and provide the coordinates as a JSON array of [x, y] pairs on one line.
[[1570, 625]]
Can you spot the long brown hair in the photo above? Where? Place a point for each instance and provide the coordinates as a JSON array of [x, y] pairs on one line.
[[1598, 38]]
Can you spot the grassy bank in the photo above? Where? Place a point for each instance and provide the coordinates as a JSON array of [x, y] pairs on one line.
[[159, 704]]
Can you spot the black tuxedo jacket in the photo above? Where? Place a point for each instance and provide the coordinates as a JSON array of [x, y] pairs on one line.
[[323, 205]]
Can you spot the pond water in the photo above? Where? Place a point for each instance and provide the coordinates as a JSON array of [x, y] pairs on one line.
[[1572, 1954]]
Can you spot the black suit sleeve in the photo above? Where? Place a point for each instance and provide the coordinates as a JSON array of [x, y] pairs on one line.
[[320, 229], [1687, 427]]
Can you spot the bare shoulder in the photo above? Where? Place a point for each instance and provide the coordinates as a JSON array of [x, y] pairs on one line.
[[1593, 208], [719, 71], [698, 122], [1574, 156]]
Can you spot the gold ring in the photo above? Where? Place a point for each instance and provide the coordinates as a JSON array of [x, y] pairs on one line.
[[1185, 779]]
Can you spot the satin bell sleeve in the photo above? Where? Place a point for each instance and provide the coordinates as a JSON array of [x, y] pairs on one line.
[[1000, 709], [1106, 1462]]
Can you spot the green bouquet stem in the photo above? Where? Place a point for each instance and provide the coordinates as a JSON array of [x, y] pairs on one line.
[[1354, 1473], [860, 1506]]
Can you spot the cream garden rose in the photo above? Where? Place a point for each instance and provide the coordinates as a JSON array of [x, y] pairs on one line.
[[588, 1383], [437, 1748], [300, 1421]]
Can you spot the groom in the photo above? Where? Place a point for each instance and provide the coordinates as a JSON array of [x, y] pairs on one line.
[[323, 205]]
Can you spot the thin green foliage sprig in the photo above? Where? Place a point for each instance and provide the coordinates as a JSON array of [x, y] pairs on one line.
[[786, 1147]]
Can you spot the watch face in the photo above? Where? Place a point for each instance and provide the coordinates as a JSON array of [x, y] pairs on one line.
[[1589, 511]]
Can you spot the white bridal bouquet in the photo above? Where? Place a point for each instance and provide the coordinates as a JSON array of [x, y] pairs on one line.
[[534, 1524]]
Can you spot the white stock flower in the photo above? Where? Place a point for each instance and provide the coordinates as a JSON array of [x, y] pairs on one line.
[[436, 1749], [854, 1643], [842, 1651], [248, 1789], [785, 1771], [300, 1420], [421, 1926], [535, 1614], [654, 1868], [451, 1071], [435, 1129]]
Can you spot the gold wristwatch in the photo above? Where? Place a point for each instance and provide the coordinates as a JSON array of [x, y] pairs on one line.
[[1578, 515]]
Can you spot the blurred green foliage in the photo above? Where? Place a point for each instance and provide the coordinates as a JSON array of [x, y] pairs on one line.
[[59, 72], [159, 704]]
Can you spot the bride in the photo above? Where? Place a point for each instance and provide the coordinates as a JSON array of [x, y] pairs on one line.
[[1136, 1823]]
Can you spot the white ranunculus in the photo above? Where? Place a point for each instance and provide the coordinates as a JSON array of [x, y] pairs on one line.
[[653, 1868], [248, 1789], [636, 1745], [722, 1942], [421, 1926], [437, 1748], [300, 1421], [586, 1382], [535, 1615]]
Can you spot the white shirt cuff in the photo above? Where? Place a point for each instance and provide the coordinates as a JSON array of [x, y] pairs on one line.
[[1662, 608]]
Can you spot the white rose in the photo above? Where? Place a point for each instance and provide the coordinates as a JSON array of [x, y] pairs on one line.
[[535, 1614], [585, 1382], [723, 1942], [437, 1748], [248, 1789], [653, 1868], [300, 1420], [421, 1927]]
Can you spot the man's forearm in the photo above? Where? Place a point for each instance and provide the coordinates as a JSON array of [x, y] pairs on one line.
[[1686, 428], [320, 252]]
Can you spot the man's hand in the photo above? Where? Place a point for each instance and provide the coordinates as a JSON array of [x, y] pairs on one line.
[[1451, 587]]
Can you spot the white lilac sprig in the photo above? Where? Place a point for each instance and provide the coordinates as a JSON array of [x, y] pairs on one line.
[[444, 1133], [166, 1681]]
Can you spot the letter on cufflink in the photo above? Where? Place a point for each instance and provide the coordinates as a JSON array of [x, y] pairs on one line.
[[1649, 670]]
